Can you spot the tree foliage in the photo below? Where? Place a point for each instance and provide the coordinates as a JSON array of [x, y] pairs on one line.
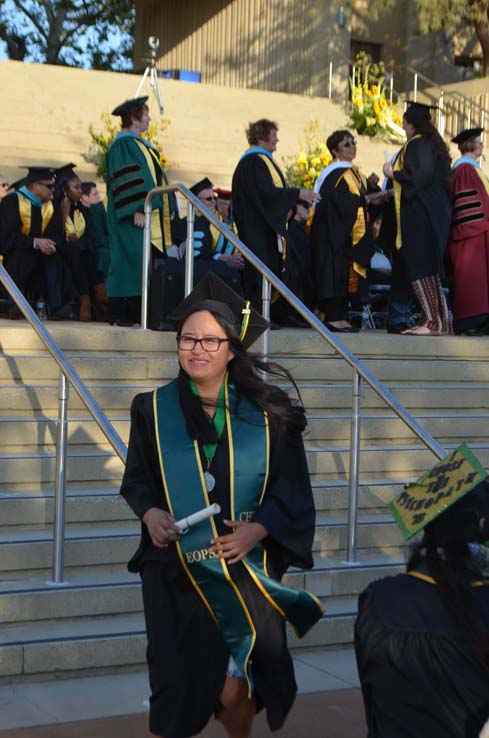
[[437, 15], [83, 33]]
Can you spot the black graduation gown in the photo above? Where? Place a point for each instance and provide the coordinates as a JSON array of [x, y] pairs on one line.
[[425, 210], [331, 237], [79, 254], [260, 212], [35, 273], [419, 679], [186, 688]]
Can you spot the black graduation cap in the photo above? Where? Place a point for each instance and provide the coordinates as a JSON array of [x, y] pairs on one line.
[[36, 174], [204, 184], [66, 172], [464, 136], [214, 294], [419, 110], [128, 105]]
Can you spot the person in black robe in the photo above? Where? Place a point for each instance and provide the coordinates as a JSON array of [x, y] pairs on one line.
[[191, 674], [341, 234], [78, 248], [423, 213], [422, 638], [261, 202], [212, 251], [31, 238]]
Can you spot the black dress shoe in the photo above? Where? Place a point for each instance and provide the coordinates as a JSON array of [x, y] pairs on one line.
[[337, 329]]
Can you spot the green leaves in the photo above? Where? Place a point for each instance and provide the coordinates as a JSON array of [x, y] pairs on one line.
[[97, 35]]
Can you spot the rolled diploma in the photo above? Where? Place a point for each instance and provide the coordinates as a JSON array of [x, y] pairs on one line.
[[198, 516]]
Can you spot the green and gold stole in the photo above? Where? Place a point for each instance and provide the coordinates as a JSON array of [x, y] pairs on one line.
[[185, 492]]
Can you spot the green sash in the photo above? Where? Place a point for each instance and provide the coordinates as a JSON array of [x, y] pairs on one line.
[[185, 492]]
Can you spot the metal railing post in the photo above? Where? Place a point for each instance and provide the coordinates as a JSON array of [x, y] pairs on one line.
[[391, 88], [146, 265], [189, 250], [354, 469], [60, 486], [330, 83], [415, 90], [266, 295], [441, 114]]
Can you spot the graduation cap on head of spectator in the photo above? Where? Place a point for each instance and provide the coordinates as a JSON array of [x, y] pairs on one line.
[[37, 174], [211, 293], [464, 136], [128, 105], [203, 184], [436, 490]]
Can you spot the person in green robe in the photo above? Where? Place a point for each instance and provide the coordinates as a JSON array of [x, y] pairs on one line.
[[133, 169]]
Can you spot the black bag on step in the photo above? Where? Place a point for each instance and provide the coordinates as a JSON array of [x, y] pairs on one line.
[[166, 290]]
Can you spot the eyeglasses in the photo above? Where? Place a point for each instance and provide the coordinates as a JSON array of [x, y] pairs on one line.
[[210, 343], [351, 142], [49, 186], [5, 185]]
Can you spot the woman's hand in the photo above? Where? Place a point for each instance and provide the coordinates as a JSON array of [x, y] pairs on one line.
[[309, 196], [237, 544], [161, 527], [388, 169]]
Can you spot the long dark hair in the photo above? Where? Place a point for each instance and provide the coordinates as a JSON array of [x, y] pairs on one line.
[[425, 128], [246, 372], [454, 565]]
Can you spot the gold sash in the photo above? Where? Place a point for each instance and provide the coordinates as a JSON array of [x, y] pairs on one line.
[[355, 183], [156, 237], [398, 165], [75, 226], [25, 212], [276, 179]]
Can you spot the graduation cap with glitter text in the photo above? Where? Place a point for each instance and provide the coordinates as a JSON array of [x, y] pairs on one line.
[[436, 490], [212, 293]]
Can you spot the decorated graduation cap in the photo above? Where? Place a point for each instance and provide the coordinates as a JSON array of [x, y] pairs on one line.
[[212, 294], [36, 174], [128, 105], [464, 136], [204, 184], [438, 489]]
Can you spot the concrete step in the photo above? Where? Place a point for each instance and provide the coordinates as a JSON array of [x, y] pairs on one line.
[[35, 429]]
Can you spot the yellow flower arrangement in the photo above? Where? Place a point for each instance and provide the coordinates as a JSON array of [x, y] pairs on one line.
[[303, 170], [371, 113], [101, 140]]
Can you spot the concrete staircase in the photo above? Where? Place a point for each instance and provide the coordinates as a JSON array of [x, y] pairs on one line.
[[51, 109], [95, 624]]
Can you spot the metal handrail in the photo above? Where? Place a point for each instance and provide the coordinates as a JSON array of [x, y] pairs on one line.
[[359, 370], [67, 371]]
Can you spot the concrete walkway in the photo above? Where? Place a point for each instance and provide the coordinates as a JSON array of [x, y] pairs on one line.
[[104, 706]]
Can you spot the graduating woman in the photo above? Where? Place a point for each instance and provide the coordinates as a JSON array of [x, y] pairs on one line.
[[423, 214], [215, 610], [422, 638]]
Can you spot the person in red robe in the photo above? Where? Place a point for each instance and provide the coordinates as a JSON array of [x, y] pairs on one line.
[[468, 247]]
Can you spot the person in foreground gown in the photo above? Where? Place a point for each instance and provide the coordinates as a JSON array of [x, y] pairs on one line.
[[214, 606], [422, 638]]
